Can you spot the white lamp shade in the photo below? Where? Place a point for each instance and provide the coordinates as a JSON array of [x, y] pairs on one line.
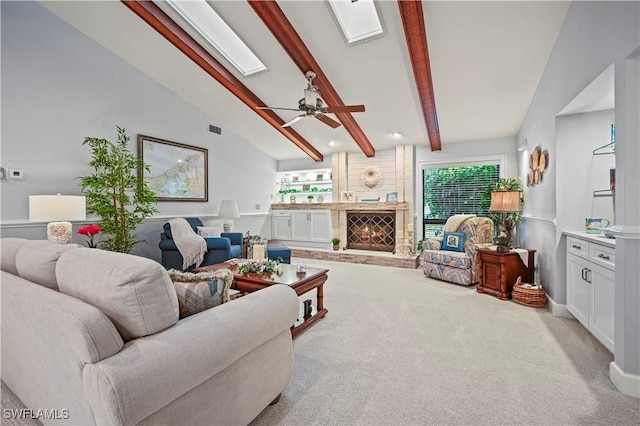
[[47, 208], [229, 209]]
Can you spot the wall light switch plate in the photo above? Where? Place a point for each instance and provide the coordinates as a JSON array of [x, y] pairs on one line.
[[257, 206], [16, 174]]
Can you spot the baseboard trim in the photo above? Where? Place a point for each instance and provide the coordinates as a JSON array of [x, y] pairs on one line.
[[628, 384], [558, 309]]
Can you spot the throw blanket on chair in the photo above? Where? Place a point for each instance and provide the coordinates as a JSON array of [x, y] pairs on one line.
[[191, 246], [454, 222]]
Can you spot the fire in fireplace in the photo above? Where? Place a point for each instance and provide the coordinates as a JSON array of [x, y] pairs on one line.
[[371, 231]]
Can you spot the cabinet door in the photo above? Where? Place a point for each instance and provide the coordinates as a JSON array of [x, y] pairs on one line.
[[281, 227], [300, 225], [602, 306], [578, 289], [320, 225]]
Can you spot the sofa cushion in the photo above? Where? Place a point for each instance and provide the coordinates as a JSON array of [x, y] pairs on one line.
[[134, 292], [453, 241], [209, 231], [448, 258], [36, 261], [8, 249], [200, 291]]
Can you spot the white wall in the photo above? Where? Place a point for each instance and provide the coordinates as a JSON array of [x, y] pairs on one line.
[[580, 172], [594, 36], [59, 86]]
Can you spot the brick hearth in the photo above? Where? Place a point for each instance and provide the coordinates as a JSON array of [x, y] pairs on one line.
[[357, 256]]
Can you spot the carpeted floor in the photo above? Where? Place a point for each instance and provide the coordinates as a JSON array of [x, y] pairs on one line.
[[399, 349]]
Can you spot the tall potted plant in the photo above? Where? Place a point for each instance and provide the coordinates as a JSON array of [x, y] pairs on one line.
[[115, 191]]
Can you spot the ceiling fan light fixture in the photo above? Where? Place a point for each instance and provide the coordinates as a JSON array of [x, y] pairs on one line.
[[310, 98]]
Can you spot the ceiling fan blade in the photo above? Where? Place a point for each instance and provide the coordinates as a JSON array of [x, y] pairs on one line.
[[328, 121], [285, 109], [346, 108], [293, 120]]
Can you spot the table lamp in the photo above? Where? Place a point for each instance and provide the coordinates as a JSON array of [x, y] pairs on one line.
[[229, 211], [505, 202], [58, 210]]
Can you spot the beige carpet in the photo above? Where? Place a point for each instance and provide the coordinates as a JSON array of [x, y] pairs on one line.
[[400, 349]]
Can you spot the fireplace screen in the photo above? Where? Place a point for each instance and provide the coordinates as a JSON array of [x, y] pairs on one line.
[[371, 231]]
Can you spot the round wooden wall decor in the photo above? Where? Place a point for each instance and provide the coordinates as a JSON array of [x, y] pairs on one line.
[[538, 164], [535, 163]]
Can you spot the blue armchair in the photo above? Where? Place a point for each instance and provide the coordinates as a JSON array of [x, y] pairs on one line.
[[228, 246]]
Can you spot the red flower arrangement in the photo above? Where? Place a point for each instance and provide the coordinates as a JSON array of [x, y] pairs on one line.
[[90, 231]]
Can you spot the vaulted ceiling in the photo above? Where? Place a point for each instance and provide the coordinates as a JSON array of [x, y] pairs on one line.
[[443, 72]]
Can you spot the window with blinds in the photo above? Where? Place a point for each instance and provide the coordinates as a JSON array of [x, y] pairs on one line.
[[455, 190]]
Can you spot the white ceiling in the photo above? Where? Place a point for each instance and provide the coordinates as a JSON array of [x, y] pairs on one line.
[[486, 61]]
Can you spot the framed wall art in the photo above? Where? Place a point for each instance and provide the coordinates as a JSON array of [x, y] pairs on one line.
[[177, 172], [347, 196]]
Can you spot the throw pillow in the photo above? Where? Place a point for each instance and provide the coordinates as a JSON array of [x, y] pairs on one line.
[[198, 292], [453, 241], [209, 231]]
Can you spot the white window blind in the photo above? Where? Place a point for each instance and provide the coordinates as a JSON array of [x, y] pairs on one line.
[[455, 190]]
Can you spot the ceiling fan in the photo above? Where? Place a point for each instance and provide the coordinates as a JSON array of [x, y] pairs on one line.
[[312, 105]]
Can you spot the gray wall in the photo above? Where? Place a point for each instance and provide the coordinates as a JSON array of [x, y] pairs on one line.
[[594, 36], [59, 86]]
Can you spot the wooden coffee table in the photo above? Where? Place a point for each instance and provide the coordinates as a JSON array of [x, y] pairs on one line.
[[287, 275]]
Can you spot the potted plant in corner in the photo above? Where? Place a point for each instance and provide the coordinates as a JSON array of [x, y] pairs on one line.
[[505, 219], [116, 192], [336, 243]]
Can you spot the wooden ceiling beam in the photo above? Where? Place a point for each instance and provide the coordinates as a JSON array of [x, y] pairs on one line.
[[416, 34], [283, 31], [162, 23]]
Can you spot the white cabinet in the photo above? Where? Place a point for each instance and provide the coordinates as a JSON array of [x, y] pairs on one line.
[[311, 225], [281, 225], [591, 287]]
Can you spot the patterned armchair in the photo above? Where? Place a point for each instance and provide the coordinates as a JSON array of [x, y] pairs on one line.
[[458, 267]]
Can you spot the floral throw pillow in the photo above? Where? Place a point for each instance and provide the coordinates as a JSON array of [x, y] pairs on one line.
[[453, 241], [198, 292]]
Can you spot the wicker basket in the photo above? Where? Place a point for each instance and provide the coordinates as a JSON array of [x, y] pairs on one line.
[[533, 297]]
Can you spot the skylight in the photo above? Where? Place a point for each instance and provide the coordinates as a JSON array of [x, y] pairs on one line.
[[358, 20], [212, 27]]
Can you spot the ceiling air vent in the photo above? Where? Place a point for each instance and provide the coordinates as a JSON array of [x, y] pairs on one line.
[[215, 129]]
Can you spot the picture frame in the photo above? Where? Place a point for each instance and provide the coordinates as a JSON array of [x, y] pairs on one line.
[[347, 196], [176, 172], [319, 177], [306, 188], [392, 196]]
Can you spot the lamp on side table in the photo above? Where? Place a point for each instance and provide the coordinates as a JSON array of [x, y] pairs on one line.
[[59, 210], [229, 211]]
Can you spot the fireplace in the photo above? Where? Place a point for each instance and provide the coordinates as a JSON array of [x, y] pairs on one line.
[[371, 231]]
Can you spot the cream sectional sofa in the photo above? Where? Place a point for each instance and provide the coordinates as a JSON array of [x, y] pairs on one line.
[[95, 337]]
